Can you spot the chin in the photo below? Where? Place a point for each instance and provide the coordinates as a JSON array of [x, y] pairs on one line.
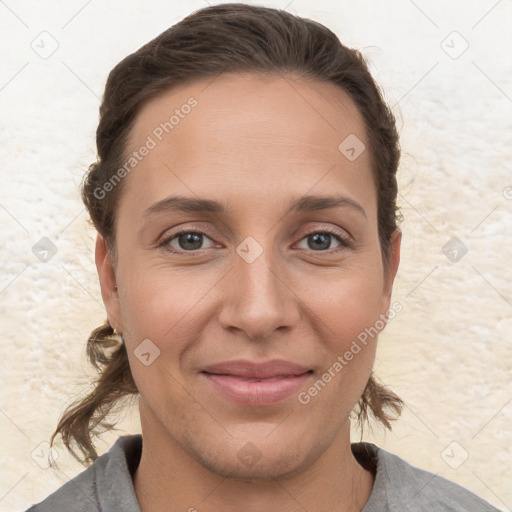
[[267, 468], [263, 459]]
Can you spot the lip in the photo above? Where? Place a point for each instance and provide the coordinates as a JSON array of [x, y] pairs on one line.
[[253, 370], [257, 384]]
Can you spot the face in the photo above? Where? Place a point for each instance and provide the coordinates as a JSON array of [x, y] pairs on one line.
[[258, 274]]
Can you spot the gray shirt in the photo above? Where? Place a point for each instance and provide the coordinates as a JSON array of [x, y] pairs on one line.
[[107, 485]]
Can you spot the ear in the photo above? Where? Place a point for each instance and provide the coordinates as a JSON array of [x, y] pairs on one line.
[[391, 270], [107, 276]]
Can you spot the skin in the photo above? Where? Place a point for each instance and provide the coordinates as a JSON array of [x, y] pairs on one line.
[[254, 142]]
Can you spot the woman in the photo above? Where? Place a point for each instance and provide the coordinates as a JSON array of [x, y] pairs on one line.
[[245, 203]]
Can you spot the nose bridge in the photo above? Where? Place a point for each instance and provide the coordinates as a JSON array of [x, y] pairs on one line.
[[256, 269], [260, 301]]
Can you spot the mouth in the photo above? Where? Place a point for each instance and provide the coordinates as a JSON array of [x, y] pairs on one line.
[[256, 384]]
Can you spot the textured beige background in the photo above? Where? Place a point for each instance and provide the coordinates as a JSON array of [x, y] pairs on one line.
[[448, 353]]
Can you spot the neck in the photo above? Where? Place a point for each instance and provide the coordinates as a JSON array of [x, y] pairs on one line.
[[168, 478]]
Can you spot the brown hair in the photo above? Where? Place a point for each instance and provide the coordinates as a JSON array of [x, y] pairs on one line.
[[224, 38]]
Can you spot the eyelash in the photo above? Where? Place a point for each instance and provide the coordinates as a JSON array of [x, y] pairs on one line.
[[344, 241]]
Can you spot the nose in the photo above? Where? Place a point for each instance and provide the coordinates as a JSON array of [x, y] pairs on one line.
[[257, 299]]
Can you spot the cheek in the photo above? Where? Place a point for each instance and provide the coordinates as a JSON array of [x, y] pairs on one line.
[[159, 294], [350, 321], [348, 316], [350, 303], [166, 306], [161, 314]]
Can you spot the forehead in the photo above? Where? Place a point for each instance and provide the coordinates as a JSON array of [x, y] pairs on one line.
[[256, 132], [255, 101]]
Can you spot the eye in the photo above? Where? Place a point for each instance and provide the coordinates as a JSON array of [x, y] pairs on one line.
[[186, 241], [319, 241]]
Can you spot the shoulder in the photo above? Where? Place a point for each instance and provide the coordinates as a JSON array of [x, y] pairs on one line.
[[401, 486], [105, 485]]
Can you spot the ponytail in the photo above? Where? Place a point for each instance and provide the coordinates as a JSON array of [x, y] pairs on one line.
[[85, 418]]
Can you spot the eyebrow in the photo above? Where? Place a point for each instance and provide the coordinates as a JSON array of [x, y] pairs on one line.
[[302, 204]]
